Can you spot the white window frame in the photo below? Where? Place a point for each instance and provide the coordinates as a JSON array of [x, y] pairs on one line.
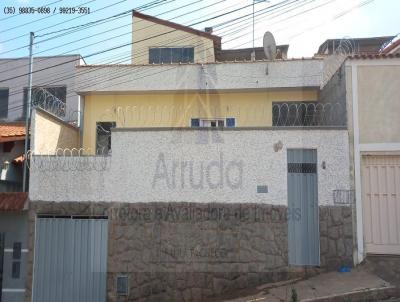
[[204, 122]]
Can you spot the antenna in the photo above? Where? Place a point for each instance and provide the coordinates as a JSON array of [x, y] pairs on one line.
[[269, 46]]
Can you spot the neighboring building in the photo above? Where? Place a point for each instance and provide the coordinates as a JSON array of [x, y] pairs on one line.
[[203, 192], [52, 81], [371, 45], [373, 89], [12, 142], [13, 214], [13, 246]]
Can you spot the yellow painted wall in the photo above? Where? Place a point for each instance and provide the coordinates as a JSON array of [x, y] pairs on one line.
[[164, 36], [251, 109]]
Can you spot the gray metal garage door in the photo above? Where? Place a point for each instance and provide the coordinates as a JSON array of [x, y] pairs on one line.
[[70, 260]]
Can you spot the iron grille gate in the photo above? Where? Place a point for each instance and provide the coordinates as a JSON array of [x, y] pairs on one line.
[[70, 260]]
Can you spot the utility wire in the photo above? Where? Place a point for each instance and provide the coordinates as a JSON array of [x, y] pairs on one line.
[[127, 44], [130, 32], [246, 25]]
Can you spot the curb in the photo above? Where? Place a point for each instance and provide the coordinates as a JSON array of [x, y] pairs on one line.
[[371, 294]]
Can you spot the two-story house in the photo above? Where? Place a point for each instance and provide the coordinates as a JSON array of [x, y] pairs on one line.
[[191, 175]]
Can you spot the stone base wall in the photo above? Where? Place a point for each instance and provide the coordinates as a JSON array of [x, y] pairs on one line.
[[191, 252], [336, 236]]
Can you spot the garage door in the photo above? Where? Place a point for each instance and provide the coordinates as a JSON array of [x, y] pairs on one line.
[[381, 203], [70, 260]]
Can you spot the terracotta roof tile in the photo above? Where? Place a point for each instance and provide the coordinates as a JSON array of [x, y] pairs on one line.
[[390, 47], [12, 132], [374, 56], [13, 201]]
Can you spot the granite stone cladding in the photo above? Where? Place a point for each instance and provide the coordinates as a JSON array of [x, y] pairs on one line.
[[192, 252]]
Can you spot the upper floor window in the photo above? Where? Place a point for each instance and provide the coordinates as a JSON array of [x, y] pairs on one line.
[[3, 102], [171, 55]]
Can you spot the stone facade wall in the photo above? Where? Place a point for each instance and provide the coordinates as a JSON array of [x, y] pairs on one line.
[[336, 236], [170, 253]]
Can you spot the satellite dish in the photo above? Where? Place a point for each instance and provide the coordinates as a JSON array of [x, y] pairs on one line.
[[269, 46]]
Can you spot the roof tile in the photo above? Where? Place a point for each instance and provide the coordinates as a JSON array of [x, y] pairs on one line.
[[374, 56], [11, 131], [13, 201]]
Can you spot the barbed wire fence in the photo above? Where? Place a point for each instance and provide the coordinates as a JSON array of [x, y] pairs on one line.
[[65, 159], [334, 61], [42, 98], [308, 114]]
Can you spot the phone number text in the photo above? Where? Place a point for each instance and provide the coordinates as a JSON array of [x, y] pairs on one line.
[[11, 10]]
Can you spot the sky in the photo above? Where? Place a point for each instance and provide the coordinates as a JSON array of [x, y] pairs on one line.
[[303, 24]]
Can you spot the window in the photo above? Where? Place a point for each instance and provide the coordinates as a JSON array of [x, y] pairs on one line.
[[3, 102], [103, 137], [195, 122], [213, 123], [122, 285], [171, 55], [8, 146], [41, 99], [230, 122]]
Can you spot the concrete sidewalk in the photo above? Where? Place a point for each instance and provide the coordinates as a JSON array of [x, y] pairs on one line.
[[357, 285]]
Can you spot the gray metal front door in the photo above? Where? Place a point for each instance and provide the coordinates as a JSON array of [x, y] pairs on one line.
[[70, 260], [303, 221]]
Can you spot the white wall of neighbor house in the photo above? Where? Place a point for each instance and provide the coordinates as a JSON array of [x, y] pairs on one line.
[[156, 166]]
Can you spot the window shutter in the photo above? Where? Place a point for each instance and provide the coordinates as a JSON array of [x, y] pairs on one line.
[[3, 103], [230, 122], [195, 122]]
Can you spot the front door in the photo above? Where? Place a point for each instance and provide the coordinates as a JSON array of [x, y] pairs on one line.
[[303, 221]]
